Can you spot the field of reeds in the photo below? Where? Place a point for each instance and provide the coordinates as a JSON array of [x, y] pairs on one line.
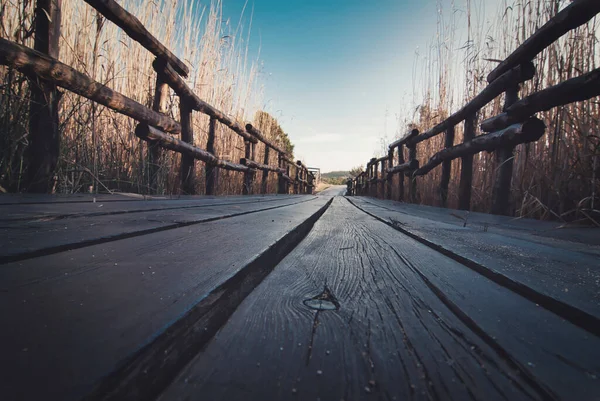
[[557, 177], [99, 151]]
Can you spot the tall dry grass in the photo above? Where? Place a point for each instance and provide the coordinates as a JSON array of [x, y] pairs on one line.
[[99, 149], [556, 177]]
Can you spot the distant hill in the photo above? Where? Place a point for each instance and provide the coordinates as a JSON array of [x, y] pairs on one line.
[[335, 177]]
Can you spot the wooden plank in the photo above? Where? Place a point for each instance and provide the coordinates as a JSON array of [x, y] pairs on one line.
[[151, 134], [389, 333], [26, 239], [574, 15], [33, 63], [138, 32], [85, 205], [91, 309], [558, 275], [44, 140], [576, 89], [528, 131], [185, 92], [511, 78]]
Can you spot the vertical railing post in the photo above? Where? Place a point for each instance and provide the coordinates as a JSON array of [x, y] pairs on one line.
[[504, 166], [401, 175], [446, 168], [210, 172], [388, 177], [288, 170], [44, 140], [280, 180], [248, 175], [296, 180], [466, 169], [265, 173], [187, 161], [412, 188], [159, 104]]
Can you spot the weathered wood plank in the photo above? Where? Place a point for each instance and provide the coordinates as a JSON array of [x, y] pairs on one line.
[[446, 168], [26, 239], [389, 333], [466, 166], [559, 275], [187, 168], [137, 31], [90, 309], [574, 15], [211, 172], [33, 63]]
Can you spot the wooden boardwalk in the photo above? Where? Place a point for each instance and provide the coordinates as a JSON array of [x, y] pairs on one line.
[[283, 297]]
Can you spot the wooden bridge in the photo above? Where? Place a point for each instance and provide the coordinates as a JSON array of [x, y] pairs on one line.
[[114, 297], [291, 295]]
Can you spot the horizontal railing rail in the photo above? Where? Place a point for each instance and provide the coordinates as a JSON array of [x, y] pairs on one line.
[[517, 123]]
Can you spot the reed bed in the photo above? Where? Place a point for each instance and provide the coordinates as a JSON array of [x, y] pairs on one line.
[[556, 177]]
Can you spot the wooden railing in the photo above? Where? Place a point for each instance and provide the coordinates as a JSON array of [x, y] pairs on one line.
[[515, 125], [155, 127]]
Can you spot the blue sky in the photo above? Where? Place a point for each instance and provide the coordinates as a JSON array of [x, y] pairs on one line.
[[336, 73]]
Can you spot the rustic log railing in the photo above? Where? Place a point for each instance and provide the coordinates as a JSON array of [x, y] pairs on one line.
[[155, 127], [517, 123]]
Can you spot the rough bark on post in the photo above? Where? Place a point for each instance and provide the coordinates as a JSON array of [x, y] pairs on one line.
[[159, 105], [265, 174], [280, 180], [446, 168], [504, 166], [44, 140], [188, 182], [400, 176], [297, 180], [466, 169], [248, 175], [389, 177], [210, 172], [412, 188]]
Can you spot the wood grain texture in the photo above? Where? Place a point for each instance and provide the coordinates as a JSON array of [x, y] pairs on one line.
[[26, 239], [559, 275], [394, 335], [71, 318]]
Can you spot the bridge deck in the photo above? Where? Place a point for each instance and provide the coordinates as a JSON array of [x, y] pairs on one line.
[[214, 298]]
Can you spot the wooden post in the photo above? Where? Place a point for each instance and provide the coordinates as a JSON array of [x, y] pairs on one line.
[[44, 140], [265, 174], [159, 104], [400, 176], [296, 182], [210, 172], [248, 175], [412, 189], [389, 177], [288, 169], [466, 170], [446, 168], [504, 166], [187, 161], [280, 180]]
